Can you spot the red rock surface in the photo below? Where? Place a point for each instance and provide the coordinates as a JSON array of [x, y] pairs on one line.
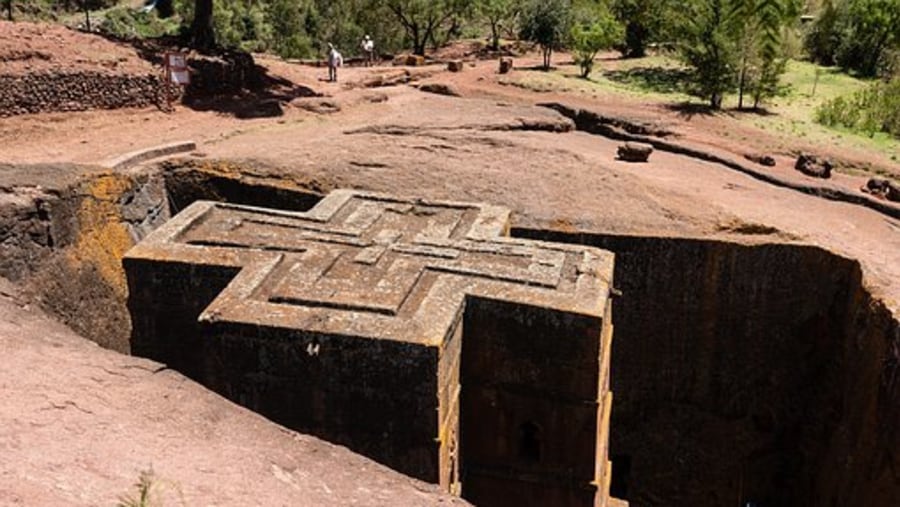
[[78, 425]]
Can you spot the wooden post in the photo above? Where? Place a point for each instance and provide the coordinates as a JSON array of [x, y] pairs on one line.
[[816, 81], [167, 82]]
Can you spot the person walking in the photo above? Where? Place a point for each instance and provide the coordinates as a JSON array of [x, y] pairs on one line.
[[335, 60], [368, 48]]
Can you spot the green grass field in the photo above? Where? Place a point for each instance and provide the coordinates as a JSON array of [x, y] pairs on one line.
[[663, 79]]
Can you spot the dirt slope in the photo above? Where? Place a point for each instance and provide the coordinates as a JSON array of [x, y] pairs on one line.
[[78, 425], [34, 47]]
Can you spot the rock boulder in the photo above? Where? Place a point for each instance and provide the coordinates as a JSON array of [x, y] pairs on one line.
[[814, 166], [634, 152]]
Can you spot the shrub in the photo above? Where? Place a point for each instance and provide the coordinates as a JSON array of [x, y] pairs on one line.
[[546, 22], [858, 35], [126, 23], [587, 41], [874, 109]]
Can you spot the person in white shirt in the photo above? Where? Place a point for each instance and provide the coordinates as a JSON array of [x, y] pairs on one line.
[[368, 48], [335, 60]]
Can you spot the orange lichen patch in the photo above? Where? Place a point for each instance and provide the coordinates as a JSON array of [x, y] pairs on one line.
[[220, 167], [103, 238], [563, 225], [251, 174]]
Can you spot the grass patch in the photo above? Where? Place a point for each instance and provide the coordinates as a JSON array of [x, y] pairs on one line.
[[149, 492], [662, 79], [809, 87], [656, 74], [144, 496]]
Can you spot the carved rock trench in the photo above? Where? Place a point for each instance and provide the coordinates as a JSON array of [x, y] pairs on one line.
[[759, 372]]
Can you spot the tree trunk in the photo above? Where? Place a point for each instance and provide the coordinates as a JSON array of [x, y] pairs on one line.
[[419, 41], [87, 15], [635, 33], [9, 10], [165, 9], [547, 53], [495, 36], [716, 100], [202, 34], [742, 80]]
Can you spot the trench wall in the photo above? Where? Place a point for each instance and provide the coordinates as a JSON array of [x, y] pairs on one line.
[[748, 373], [65, 245]]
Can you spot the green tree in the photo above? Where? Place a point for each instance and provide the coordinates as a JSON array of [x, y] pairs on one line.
[[644, 20], [759, 27], [858, 35], [422, 18], [497, 13], [822, 38], [707, 45], [735, 44], [588, 40], [871, 29], [287, 20], [546, 22]]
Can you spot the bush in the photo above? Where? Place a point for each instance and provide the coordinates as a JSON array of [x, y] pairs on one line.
[[126, 23], [858, 35], [587, 41], [874, 109], [546, 22]]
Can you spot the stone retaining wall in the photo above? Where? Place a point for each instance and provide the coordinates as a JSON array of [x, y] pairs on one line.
[[75, 91]]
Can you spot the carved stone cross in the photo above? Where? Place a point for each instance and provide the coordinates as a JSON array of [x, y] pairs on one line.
[[414, 332]]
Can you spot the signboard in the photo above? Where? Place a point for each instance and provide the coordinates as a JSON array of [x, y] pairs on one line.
[[180, 77], [177, 71]]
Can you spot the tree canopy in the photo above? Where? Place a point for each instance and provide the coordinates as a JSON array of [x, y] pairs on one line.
[[546, 22], [729, 45], [600, 31], [858, 35]]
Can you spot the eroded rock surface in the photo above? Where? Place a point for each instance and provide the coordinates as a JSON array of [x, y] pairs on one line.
[[78, 424]]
